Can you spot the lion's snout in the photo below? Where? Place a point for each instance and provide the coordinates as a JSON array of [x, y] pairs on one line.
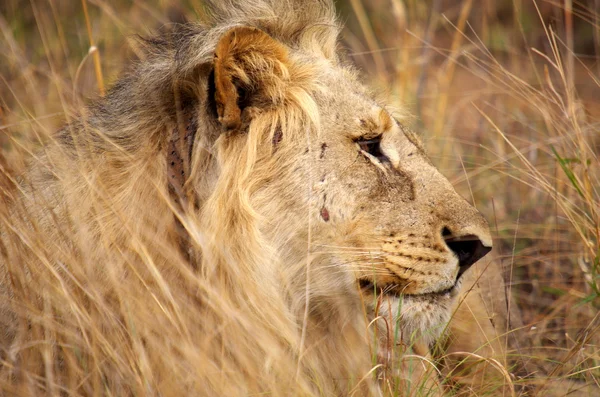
[[468, 249]]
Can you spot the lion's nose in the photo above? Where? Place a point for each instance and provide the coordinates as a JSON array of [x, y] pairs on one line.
[[469, 249]]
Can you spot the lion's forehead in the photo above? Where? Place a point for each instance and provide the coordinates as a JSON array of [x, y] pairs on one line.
[[350, 109]]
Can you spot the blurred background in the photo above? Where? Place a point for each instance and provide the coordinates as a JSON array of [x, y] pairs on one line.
[[506, 95]]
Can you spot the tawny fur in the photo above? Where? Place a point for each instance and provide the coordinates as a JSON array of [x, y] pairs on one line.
[[244, 279]]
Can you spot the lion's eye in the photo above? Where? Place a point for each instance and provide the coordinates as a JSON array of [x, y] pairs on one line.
[[373, 147]]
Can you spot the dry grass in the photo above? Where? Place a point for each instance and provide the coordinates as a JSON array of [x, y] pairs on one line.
[[506, 94]]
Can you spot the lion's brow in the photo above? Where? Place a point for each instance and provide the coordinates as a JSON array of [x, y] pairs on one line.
[[378, 123]]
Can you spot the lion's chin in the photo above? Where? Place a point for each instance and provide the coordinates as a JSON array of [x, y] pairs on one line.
[[420, 317]]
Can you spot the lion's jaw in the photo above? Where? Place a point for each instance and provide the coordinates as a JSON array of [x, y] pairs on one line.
[[409, 319]]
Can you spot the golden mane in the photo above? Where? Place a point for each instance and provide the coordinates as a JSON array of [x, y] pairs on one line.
[[118, 275]]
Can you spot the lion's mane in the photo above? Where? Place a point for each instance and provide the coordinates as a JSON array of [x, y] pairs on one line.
[[115, 283]]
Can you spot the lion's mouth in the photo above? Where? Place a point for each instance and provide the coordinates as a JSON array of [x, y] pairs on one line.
[[396, 290]]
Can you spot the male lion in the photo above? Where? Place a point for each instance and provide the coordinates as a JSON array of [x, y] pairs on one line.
[[229, 220]]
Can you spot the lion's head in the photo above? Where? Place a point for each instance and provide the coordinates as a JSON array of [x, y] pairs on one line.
[[319, 172]]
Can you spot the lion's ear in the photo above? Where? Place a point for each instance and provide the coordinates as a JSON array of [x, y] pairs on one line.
[[250, 68]]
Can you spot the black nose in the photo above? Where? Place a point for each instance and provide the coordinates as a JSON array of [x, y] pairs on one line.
[[469, 249]]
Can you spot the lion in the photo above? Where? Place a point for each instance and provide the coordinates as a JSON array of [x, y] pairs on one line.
[[238, 215]]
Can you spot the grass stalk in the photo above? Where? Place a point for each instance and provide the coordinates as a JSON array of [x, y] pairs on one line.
[[94, 50]]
